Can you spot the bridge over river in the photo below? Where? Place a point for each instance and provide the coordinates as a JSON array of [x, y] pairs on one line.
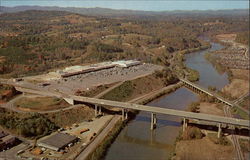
[[154, 110], [125, 106]]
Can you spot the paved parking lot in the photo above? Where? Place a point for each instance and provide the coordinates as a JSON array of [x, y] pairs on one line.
[[107, 76]]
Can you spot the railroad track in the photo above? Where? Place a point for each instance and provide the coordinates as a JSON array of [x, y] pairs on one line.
[[235, 139]]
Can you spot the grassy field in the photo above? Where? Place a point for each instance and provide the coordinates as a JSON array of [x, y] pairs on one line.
[[41, 103], [121, 93], [241, 113], [135, 88], [94, 91]]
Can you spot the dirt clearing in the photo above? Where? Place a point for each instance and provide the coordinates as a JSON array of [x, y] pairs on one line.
[[241, 74], [237, 88], [69, 117], [228, 37], [203, 149], [210, 108]]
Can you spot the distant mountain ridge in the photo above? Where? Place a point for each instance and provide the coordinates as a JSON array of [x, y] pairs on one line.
[[106, 12]]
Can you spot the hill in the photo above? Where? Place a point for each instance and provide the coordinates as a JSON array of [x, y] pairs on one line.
[[36, 41], [131, 13]]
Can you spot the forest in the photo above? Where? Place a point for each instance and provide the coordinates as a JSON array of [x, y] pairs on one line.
[[33, 42]]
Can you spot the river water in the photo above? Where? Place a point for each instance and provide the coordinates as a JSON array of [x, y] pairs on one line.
[[137, 142]]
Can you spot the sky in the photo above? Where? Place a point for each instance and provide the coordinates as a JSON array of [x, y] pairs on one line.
[[147, 5]]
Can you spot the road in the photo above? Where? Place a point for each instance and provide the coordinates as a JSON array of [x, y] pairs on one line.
[[183, 114], [102, 102], [237, 101], [94, 144], [10, 105], [108, 90], [154, 93], [235, 140]]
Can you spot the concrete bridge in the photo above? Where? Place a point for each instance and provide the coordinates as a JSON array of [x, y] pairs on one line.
[[99, 103], [212, 94]]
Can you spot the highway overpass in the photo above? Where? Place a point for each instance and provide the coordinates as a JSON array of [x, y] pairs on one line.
[[151, 109]]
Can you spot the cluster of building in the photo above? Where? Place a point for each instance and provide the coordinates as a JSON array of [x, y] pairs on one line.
[[7, 141], [75, 70], [53, 146]]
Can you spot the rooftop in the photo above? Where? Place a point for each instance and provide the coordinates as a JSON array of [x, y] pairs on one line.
[[8, 138], [58, 140], [3, 134]]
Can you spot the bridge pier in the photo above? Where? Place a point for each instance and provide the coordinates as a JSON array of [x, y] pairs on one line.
[[100, 110], [124, 114], [185, 124], [96, 110], [153, 121], [70, 101], [219, 131]]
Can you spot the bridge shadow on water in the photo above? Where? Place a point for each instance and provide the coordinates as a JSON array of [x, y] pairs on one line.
[[150, 141], [160, 122], [228, 130]]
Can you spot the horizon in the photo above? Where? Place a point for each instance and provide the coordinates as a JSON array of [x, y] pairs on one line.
[[141, 5]]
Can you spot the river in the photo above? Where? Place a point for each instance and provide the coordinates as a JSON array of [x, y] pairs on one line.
[[137, 142]]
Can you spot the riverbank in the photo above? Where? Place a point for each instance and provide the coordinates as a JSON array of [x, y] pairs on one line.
[[100, 150], [208, 147], [181, 69], [238, 72]]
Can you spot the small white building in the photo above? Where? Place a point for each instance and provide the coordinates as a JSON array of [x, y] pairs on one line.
[[127, 63], [73, 69]]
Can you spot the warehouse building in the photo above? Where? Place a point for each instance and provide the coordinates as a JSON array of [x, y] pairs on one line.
[[58, 141], [75, 70], [7, 141]]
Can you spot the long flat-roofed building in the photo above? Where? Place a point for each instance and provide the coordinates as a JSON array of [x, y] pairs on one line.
[[57, 141], [7, 141], [75, 70], [126, 63]]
